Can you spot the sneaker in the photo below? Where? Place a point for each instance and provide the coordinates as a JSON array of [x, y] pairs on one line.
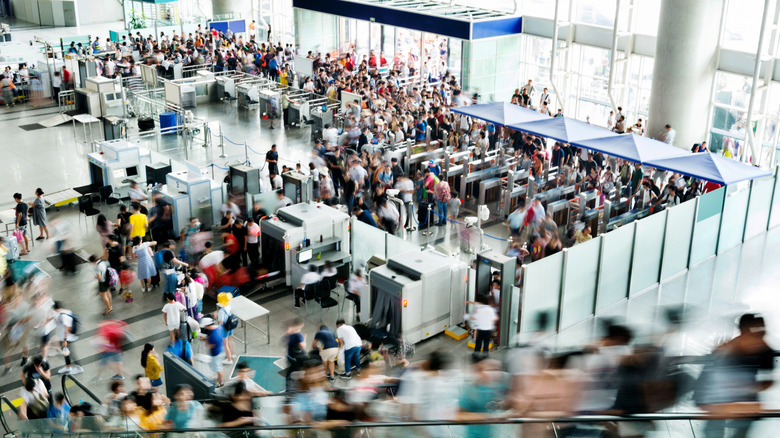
[[346, 376], [297, 306], [331, 379], [227, 362], [24, 360], [75, 369], [117, 377], [65, 370]]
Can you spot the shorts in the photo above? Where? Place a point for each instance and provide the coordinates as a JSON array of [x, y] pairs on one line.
[[102, 287], [329, 354], [110, 356], [23, 228], [173, 327], [228, 333], [216, 362]]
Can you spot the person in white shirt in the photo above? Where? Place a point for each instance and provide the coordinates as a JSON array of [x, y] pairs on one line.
[[330, 134], [284, 201], [172, 315], [405, 187], [483, 321], [310, 277], [351, 342], [355, 285], [64, 320], [110, 68], [544, 99]]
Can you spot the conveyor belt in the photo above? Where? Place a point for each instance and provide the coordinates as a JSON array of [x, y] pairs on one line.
[[61, 197]]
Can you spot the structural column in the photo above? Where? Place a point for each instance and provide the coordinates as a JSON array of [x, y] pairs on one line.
[[684, 69], [241, 8]]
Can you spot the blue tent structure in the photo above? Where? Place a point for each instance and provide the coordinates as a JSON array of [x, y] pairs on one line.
[[563, 129], [710, 167], [500, 113], [632, 147]]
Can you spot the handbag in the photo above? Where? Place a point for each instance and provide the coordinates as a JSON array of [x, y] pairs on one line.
[[19, 235]]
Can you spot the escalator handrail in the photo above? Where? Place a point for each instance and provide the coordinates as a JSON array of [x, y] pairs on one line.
[[92, 395], [4, 399]]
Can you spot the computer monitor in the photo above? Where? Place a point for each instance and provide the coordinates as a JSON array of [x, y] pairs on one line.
[[109, 97], [132, 171], [119, 173], [305, 256]]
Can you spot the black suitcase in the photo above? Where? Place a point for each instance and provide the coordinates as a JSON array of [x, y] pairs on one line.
[[145, 124], [422, 215]]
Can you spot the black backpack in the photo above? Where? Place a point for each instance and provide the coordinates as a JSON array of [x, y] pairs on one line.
[[74, 328]]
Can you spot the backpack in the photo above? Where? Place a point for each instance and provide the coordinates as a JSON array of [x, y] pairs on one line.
[[112, 278], [230, 323], [76, 322]]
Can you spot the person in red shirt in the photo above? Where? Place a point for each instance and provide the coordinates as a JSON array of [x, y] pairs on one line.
[[710, 186], [372, 60], [66, 78], [382, 60]]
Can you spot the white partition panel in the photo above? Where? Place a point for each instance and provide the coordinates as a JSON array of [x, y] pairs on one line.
[[396, 245], [648, 250], [759, 205], [705, 232], [542, 291], [580, 281], [732, 225], [617, 248], [677, 239], [367, 241], [774, 217]]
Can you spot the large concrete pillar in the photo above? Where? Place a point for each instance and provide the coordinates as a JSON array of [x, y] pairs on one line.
[[240, 8], [684, 68]]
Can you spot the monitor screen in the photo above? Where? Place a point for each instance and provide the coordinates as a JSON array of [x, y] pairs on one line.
[[109, 97], [304, 256], [132, 171], [119, 173]]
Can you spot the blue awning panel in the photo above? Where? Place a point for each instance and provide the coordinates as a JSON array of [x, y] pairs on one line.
[[563, 129], [710, 167], [500, 113], [632, 147]]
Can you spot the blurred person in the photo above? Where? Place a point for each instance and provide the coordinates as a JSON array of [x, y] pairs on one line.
[[351, 342], [39, 214], [168, 266], [172, 314], [153, 415], [58, 412], [214, 342], [223, 315], [146, 268], [66, 322], [325, 341], [310, 404], [295, 342], [237, 411], [355, 285], [18, 314], [112, 335], [183, 411], [430, 393], [483, 321], [244, 375], [103, 282], [35, 400], [114, 398], [253, 241], [20, 219], [736, 373], [151, 365], [483, 392], [180, 348]]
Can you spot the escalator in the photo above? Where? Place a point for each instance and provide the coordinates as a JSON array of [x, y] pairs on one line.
[[77, 393], [9, 416]]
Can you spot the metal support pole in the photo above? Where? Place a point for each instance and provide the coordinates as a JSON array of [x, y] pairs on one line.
[[428, 231], [246, 153], [222, 142], [206, 135], [755, 145]]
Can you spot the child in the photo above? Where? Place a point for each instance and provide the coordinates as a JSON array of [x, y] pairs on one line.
[[126, 278], [454, 206]]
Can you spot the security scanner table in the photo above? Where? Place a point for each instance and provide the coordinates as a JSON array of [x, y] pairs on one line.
[[304, 234], [85, 120], [417, 294], [192, 194], [247, 310], [298, 187], [118, 163], [61, 197]]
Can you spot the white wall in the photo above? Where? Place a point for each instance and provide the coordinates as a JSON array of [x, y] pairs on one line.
[[89, 11]]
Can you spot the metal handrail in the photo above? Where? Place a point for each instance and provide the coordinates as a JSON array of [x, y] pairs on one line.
[[488, 420], [4, 399], [91, 394]]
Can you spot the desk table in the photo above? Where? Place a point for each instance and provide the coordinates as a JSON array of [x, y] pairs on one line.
[[247, 310]]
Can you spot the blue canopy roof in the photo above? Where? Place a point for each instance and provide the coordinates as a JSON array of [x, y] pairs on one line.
[[500, 113], [632, 147], [563, 129], [710, 167]]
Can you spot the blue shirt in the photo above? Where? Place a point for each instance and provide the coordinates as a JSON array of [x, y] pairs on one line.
[[176, 349], [366, 218], [181, 419], [327, 338], [215, 339]]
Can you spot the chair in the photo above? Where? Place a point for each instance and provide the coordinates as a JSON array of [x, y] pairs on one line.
[[86, 206], [309, 293], [323, 295], [107, 195]]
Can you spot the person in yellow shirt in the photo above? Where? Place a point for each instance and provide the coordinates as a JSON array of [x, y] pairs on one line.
[[138, 222], [151, 364], [153, 417]]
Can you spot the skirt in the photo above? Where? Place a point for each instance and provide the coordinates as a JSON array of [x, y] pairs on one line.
[[146, 269]]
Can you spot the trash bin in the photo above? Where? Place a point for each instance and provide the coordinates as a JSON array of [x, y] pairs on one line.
[[168, 121]]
